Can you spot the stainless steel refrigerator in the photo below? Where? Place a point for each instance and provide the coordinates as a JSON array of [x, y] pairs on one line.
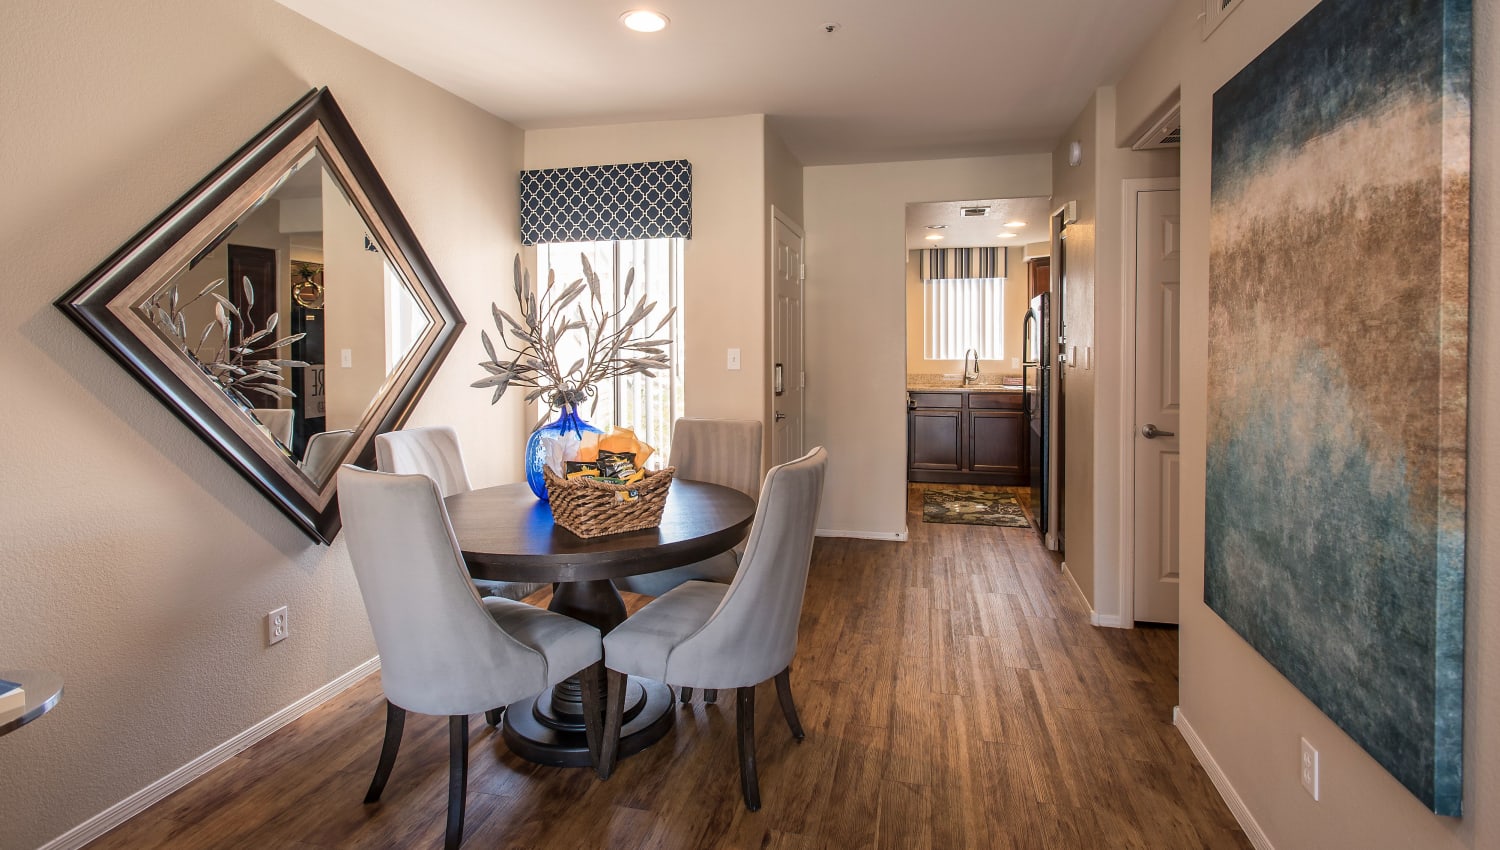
[[1036, 371]]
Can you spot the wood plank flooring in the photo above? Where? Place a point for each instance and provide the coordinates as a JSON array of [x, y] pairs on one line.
[[953, 693]]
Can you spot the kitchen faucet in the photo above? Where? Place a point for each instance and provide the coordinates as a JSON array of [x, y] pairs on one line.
[[967, 375]]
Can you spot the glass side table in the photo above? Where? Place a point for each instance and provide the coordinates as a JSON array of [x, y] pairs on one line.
[[43, 690]]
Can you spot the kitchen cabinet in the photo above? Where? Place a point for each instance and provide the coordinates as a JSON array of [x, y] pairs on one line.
[[966, 437], [1038, 276]]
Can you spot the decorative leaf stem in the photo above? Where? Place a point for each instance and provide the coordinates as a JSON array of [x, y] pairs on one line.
[[531, 343]]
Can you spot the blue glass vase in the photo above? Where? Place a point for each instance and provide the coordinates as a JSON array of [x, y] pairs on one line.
[[568, 422]]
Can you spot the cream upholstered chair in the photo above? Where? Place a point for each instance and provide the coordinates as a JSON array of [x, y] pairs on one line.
[[443, 650], [709, 635], [434, 452], [719, 451], [277, 420], [325, 451]]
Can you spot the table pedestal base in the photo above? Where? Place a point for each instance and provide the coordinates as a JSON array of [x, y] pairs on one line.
[[535, 730]]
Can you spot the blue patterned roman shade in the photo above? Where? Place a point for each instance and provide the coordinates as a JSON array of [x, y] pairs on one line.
[[963, 263], [599, 203]]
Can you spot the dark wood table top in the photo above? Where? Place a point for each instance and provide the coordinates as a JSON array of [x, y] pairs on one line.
[[506, 534]]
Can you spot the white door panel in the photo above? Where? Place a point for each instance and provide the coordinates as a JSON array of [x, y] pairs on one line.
[[1158, 395], [786, 342]]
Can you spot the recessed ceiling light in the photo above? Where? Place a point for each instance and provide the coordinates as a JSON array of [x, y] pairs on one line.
[[1005, 235], [1015, 224], [937, 227], [934, 236], [644, 20]]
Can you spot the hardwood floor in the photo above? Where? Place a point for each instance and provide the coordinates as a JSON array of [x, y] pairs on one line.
[[953, 693]]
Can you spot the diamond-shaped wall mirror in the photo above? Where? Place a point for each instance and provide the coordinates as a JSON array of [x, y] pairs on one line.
[[282, 308]]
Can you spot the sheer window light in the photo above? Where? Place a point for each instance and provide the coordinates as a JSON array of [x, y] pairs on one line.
[[963, 313], [647, 405]]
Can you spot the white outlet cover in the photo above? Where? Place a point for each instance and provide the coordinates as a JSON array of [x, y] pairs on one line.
[[276, 626], [1309, 769]]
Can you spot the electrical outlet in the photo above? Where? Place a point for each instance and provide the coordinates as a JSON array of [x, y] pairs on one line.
[[734, 359], [1309, 769], [276, 628]]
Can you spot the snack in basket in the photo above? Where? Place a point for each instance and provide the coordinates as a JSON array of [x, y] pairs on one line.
[[599, 484]]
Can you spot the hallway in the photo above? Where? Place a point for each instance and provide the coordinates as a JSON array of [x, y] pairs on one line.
[[953, 692]]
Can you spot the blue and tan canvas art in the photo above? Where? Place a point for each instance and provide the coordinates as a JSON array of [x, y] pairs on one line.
[[1338, 351]]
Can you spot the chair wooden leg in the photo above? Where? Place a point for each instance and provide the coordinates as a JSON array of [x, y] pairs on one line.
[[395, 721], [614, 711], [789, 708], [687, 695], [494, 716], [711, 695], [593, 688], [744, 715], [458, 779]]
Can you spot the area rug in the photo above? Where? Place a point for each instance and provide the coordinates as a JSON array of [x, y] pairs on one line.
[[972, 507]]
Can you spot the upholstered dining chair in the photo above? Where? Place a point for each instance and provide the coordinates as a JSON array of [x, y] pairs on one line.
[[434, 451], [443, 649], [719, 451], [324, 452], [709, 635]]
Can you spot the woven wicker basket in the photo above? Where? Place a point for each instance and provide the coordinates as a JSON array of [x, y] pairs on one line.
[[592, 508]]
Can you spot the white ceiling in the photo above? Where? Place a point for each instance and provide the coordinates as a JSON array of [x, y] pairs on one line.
[[899, 80], [977, 232]]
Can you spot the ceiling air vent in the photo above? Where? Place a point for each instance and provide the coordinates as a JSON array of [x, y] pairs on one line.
[[974, 212], [1164, 132]]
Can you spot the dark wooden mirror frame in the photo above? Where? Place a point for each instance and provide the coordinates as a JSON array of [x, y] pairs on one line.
[[95, 305]]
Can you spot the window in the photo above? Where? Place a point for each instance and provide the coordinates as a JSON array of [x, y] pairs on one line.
[[647, 405], [963, 313]]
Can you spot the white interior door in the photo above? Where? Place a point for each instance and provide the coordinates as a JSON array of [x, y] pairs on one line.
[[787, 380], [1158, 307]]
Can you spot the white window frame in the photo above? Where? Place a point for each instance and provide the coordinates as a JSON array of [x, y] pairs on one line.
[[613, 276]]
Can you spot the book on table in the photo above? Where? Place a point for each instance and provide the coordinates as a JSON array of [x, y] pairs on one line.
[[11, 696]]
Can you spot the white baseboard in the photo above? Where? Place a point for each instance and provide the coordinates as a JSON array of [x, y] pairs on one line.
[[1108, 621], [143, 799], [898, 536], [1231, 797]]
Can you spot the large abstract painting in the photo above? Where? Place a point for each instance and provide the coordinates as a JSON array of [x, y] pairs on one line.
[[1337, 376]]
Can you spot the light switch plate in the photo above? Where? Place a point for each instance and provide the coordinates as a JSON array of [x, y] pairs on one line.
[[346, 358], [734, 359]]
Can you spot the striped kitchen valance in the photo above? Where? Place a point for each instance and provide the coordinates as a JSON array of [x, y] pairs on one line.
[[963, 263], [601, 203]]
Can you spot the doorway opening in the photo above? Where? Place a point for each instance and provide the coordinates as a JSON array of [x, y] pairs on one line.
[[974, 343]]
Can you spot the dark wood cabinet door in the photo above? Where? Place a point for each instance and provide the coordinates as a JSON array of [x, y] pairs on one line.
[[1039, 276], [997, 441], [936, 439]]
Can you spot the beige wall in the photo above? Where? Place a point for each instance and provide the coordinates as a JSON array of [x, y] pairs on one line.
[[1095, 330], [1016, 304], [355, 316], [725, 261], [135, 561], [1246, 713], [1078, 266], [856, 317]]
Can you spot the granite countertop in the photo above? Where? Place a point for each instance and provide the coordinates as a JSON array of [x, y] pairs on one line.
[[954, 384]]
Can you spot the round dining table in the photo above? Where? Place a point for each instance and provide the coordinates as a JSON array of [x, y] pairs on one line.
[[507, 534]]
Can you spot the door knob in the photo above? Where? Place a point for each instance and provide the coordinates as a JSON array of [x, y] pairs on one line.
[[780, 416], [1151, 432]]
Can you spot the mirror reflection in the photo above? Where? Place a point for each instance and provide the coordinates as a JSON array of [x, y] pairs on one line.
[[295, 313]]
